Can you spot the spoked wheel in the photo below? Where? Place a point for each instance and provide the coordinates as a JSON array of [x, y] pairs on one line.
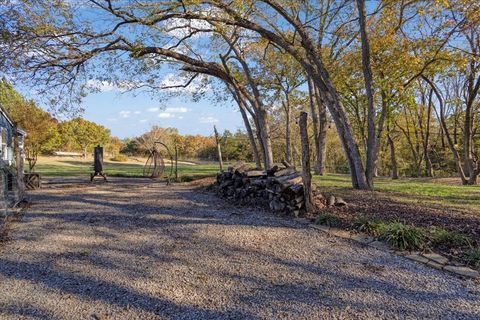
[[149, 168], [155, 165], [160, 166]]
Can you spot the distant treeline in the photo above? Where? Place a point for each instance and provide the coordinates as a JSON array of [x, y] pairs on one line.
[[234, 145]]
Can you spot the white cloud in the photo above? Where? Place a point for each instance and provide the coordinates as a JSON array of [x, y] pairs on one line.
[[143, 120], [180, 28], [125, 114], [102, 86], [173, 82], [137, 112], [208, 120], [181, 117], [177, 110], [165, 115], [153, 109]]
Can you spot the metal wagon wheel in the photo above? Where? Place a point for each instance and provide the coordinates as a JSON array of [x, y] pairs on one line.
[[149, 168], [155, 165], [160, 165]]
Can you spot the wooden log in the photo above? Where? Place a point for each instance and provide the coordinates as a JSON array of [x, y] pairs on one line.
[[277, 206], [295, 189], [339, 202], [331, 201], [286, 177], [236, 166], [287, 164], [272, 170], [290, 182], [254, 173], [226, 184], [285, 171], [259, 183]]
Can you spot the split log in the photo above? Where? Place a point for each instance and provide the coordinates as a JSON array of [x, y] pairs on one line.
[[339, 202], [280, 189], [331, 201], [254, 173], [285, 171]]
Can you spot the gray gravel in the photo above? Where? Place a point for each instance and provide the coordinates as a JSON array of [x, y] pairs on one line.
[[132, 249]]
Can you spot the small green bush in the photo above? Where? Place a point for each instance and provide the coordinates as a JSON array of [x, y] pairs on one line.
[[119, 158], [473, 257], [328, 219], [403, 237], [442, 237], [373, 227]]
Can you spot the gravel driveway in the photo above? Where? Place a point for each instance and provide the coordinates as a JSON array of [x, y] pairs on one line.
[[133, 249]]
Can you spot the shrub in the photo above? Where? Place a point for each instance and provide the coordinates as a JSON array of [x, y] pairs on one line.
[[403, 237], [119, 158], [442, 237], [373, 227], [328, 219], [473, 257]]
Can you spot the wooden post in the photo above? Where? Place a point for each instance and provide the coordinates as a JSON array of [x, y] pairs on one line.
[[19, 155], [306, 174], [176, 163], [219, 149], [98, 164], [3, 198]]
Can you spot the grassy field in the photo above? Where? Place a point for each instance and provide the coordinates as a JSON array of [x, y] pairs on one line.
[[433, 191], [57, 167], [430, 192]]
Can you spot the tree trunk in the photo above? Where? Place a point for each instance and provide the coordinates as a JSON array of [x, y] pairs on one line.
[[288, 138], [467, 140], [426, 143], [251, 137], [367, 73], [322, 134], [219, 148], [443, 122], [264, 129], [393, 157], [306, 174], [316, 136]]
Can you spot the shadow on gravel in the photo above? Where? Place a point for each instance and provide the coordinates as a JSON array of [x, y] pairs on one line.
[[111, 215], [87, 287]]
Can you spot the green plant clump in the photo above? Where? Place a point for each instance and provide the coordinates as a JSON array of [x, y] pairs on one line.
[[439, 237], [473, 257], [328, 219], [373, 227], [404, 237]]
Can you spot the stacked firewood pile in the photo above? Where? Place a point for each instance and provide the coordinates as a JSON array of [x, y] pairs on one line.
[[280, 188]]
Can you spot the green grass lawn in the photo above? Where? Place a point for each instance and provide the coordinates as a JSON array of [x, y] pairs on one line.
[[54, 167], [445, 192], [429, 192]]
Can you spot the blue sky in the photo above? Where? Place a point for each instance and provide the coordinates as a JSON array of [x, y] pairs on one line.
[[128, 115]]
